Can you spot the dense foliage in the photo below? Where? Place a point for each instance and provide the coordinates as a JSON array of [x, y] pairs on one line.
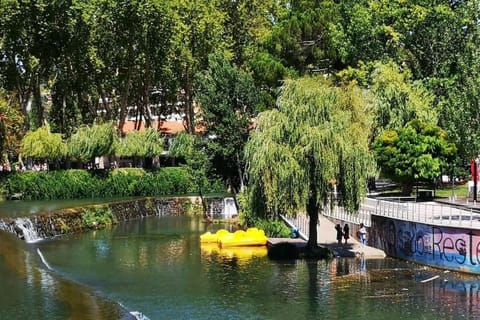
[[71, 184], [76, 64], [139, 145], [97, 218], [418, 152], [41, 144], [317, 137], [11, 127], [229, 99], [92, 141]]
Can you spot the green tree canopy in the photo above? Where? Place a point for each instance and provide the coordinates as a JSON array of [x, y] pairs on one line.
[[192, 149], [42, 144], [418, 152], [318, 136], [228, 98], [397, 99], [140, 144], [11, 126], [90, 142]]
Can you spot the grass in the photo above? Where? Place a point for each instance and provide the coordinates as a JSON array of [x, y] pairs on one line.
[[459, 190]]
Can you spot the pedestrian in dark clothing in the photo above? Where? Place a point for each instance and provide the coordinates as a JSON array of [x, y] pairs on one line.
[[339, 233], [346, 232]]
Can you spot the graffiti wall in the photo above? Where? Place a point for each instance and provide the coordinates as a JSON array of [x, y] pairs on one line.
[[443, 247]]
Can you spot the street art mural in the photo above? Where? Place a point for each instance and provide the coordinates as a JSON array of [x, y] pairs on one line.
[[443, 247]]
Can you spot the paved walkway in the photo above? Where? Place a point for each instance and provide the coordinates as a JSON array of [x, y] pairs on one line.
[[459, 213], [327, 236]]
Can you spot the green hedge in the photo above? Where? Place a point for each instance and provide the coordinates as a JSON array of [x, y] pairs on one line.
[[75, 184]]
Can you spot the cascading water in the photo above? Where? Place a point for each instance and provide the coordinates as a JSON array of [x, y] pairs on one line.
[[229, 208], [28, 229], [222, 208]]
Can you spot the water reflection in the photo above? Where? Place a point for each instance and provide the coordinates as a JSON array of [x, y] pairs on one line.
[[31, 291], [158, 267]]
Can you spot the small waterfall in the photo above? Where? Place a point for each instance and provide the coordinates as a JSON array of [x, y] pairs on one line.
[[163, 208], [28, 229], [229, 208]]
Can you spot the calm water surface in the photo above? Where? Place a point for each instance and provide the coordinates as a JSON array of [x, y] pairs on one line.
[[157, 266]]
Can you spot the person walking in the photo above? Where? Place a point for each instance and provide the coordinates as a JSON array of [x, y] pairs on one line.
[[339, 233], [362, 233], [346, 232]]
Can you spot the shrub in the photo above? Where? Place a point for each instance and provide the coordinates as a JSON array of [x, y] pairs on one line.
[[97, 218], [273, 228], [76, 184]]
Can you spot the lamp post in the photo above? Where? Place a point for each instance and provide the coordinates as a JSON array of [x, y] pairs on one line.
[[475, 178]]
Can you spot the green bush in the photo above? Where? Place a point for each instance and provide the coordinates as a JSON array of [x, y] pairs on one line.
[[97, 218], [273, 228], [76, 184]]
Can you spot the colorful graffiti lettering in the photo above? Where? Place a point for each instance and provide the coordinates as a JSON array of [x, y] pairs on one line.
[[449, 248]]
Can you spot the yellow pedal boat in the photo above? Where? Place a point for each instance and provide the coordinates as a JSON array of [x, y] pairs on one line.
[[240, 238], [209, 237]]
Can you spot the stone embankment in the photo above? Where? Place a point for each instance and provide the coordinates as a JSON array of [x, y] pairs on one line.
[[71, 220]]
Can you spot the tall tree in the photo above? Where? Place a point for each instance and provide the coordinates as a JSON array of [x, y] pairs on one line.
[[198, 31], [191, 149], [397, 99], [27, 51], [227, 98], [303, 38], [318, 136], [247, 23]]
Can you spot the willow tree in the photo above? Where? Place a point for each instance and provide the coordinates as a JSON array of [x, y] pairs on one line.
[[140, 144], [41, 144], [318, 136], [90, 142]]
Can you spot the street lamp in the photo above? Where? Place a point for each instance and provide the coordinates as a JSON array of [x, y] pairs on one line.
[[475, 163]]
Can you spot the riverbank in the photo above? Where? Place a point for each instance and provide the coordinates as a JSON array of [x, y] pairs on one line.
[[49, 224], [327, 239]]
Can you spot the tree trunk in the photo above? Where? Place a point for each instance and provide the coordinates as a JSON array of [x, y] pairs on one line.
[[240, 172], [37, 98], [124, 101], [312, 208], [189, 112], [407, 189], [312, 211]]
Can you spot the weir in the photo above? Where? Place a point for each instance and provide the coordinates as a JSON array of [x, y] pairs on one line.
[[43, 225], [225, 208]]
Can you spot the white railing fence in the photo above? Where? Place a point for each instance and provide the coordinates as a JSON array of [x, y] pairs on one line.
[[397, 208], [423, 212]]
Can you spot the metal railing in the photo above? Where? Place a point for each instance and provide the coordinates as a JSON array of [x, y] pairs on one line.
[[397, 208], [425, 212]]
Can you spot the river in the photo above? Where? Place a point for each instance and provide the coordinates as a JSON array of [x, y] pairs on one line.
[[156, 267]]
